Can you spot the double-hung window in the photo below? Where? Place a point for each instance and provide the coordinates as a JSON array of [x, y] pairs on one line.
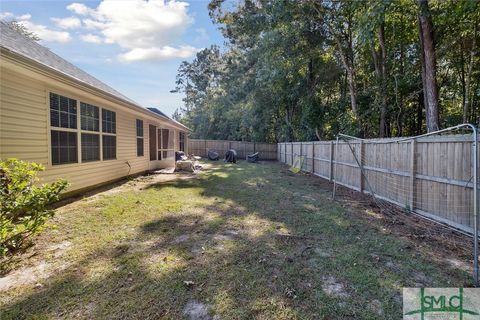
[[109, 138], [63, 134], [140, 144], [90, 126]]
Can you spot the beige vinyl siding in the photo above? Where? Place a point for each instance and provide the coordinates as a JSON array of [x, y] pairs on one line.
[[23, 118], [25, 129]]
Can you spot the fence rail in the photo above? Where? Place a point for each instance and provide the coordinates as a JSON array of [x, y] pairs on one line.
[[267, 151], [431, 176]]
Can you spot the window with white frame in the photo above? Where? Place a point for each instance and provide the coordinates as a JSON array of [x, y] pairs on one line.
[[109, 139], [64, 147], [89, 117], [109, 145], [140, 144], [63, 135], [90, 125], [109, 121]]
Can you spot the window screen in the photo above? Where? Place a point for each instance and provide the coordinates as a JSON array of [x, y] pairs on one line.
[[139, 138], [109, 121], [63, 111], [109, 147], [152, 137], [159, 139], [165, 134], [139, 147], [89, 117], [64, 147], [90, 147], [139, 128], [181, 139]]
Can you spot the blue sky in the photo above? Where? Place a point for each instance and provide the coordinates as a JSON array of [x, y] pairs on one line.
[[134, 46]]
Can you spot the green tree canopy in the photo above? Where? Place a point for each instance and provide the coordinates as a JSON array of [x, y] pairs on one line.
[[305, 70]]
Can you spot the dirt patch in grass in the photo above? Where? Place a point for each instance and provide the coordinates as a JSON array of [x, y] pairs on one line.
[[333, 288], [195, 310]]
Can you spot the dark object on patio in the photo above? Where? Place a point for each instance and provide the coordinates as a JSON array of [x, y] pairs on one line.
[[231, 156], [212, 155], [252, 157], [180, 155]]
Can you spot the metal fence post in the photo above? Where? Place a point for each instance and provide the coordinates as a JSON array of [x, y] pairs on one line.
[[360, 185], [301, 155], [475, 207], [330, 175], [335, 172], [313, 157], [291, 151]]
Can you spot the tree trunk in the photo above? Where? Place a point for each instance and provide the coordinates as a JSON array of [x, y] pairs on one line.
[[423, 103], [379, 61], [351, 81], [420, 108], [430, 84], [399, 102], [311, 76], [466, 104], [383, 69], [462, 81]]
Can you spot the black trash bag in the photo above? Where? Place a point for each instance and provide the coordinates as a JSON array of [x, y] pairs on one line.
[[212, 155], [180, 155], [231, 156], [252, 157]]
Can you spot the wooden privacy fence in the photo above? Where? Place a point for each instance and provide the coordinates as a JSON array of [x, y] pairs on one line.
[[267, 151], [431, 176]]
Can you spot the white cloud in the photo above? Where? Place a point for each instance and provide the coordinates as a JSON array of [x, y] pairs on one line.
[[11, 16], [24, 16], [145, 29], [5, 15], [79, 8], [202, 35], [92, 24], [45, 33], [91, 38], [67, 23], [155, 54]]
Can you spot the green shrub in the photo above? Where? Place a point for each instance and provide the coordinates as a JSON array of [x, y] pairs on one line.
[[23, 203]]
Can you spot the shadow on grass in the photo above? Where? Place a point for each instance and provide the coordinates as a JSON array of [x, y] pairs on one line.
[[311, 259]]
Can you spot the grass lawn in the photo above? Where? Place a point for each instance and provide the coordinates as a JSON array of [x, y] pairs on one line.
[[233, 242]]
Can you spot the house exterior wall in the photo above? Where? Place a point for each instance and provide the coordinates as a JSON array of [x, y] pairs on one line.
[[25, 128]]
